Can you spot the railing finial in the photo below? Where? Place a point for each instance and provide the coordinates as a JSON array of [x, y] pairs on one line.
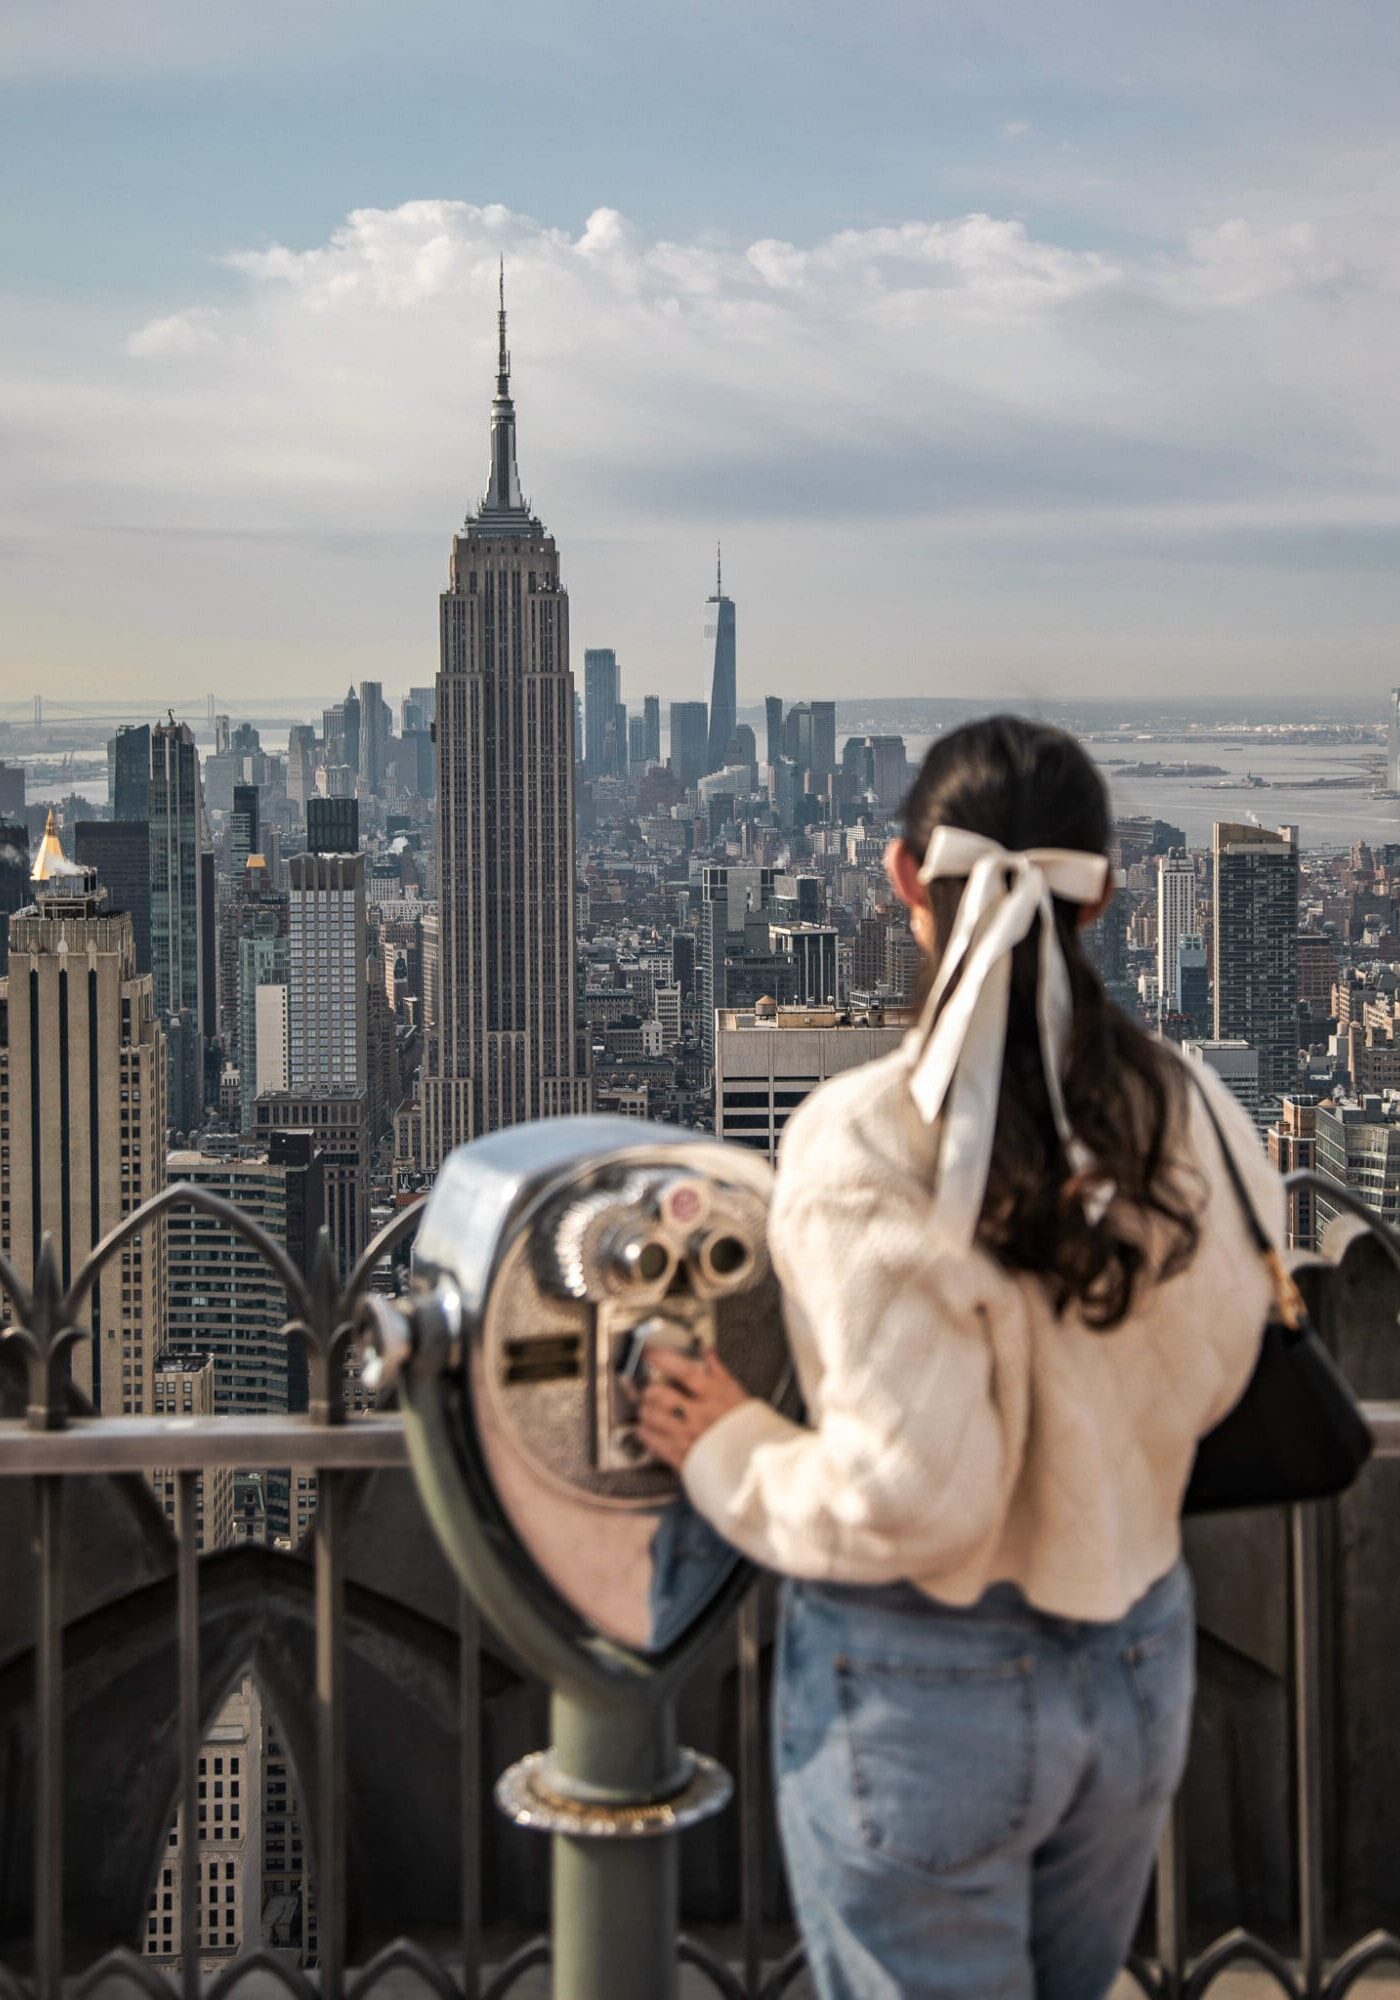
[[325, 1330], [44, 1331]]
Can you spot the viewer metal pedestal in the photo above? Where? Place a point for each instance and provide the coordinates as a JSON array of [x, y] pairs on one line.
[[546, 1255], [614, 1793]]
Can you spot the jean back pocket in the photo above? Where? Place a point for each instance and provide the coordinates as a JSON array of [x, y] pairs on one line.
[[942, 1758], [1161, 1670]]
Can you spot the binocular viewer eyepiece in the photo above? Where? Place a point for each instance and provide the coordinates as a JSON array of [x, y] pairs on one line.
[[649, 1231]]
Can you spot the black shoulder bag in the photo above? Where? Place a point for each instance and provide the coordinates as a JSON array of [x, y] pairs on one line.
[[1297, 1432]]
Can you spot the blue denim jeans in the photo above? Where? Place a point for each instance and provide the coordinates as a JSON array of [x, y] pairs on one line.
[[970, 1801]]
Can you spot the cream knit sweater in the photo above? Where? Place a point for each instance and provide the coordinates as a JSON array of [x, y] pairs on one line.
[[959, 1434]]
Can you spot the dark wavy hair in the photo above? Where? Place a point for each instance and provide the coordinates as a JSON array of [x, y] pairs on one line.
[[1026, 785]]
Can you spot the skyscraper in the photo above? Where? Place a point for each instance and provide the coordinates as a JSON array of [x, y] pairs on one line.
[[507, 1044], [207, 1018], [301, 763], [1176, 915], [413, 763], [823, 738], [812, 949], [615, 743], [730, 900], [602, 688], [129, 772], [797, 735], [269, 1048], [261, 959], [768, 1059], [176, 836], [333, 733], [773, 718], [1292, 1142], [1393, 742], [889, 768], [327, 1002], [1235, 1062], [225, 1301], [332, 826], [1106, 947], [244, 827], [720, 648], [1358, 1146], [376, 723], [120, 851], [14, 878], [651, 723], [183, 1386], [225, 1847], [351, 723], [1255, 951], [1192, 982], [250, 906], [337, 1124], [82, 1118], [688, 741], [784, 785]]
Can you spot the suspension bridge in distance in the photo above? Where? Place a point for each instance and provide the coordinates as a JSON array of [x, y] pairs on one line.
[[45, 711]]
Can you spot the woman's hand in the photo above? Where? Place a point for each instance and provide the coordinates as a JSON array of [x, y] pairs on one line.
[[681, 1401]]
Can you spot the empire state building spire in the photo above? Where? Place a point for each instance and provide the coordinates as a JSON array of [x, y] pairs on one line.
[[508, 1043], [503, 499]]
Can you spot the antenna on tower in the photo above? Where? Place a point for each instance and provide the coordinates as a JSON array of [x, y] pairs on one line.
[[719, 571], [502, 355]]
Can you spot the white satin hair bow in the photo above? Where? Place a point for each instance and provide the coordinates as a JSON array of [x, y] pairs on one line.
[[959, 1051]]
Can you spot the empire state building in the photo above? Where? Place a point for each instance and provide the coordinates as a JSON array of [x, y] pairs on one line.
[[506, 1045]]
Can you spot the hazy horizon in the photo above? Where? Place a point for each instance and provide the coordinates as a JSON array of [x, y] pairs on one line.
[[1046, 354], [88, 726]]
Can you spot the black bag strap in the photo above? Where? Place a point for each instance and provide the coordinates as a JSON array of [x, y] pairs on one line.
[[1288, 1299]]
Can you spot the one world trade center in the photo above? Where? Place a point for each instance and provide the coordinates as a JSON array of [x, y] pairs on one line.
[[719, 642]]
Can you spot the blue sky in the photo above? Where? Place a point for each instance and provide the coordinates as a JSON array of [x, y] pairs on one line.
[[1037, 348]]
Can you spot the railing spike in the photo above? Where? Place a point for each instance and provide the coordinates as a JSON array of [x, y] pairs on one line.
[[325, 1331]]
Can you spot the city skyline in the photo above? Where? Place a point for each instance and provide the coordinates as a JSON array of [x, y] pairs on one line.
[[1086, 357]]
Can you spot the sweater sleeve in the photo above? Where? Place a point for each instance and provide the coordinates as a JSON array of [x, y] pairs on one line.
[[904, 1468]]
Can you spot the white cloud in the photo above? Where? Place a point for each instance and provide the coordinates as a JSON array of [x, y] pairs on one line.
[[191, 332], [363, 361], [884, 395], [1235, 264]]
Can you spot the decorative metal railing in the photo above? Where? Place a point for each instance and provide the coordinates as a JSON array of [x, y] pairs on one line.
[[57, 1444]]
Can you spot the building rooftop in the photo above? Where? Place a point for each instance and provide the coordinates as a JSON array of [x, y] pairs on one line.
[[51, 859], [1378, 1108], [766, 1013]]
